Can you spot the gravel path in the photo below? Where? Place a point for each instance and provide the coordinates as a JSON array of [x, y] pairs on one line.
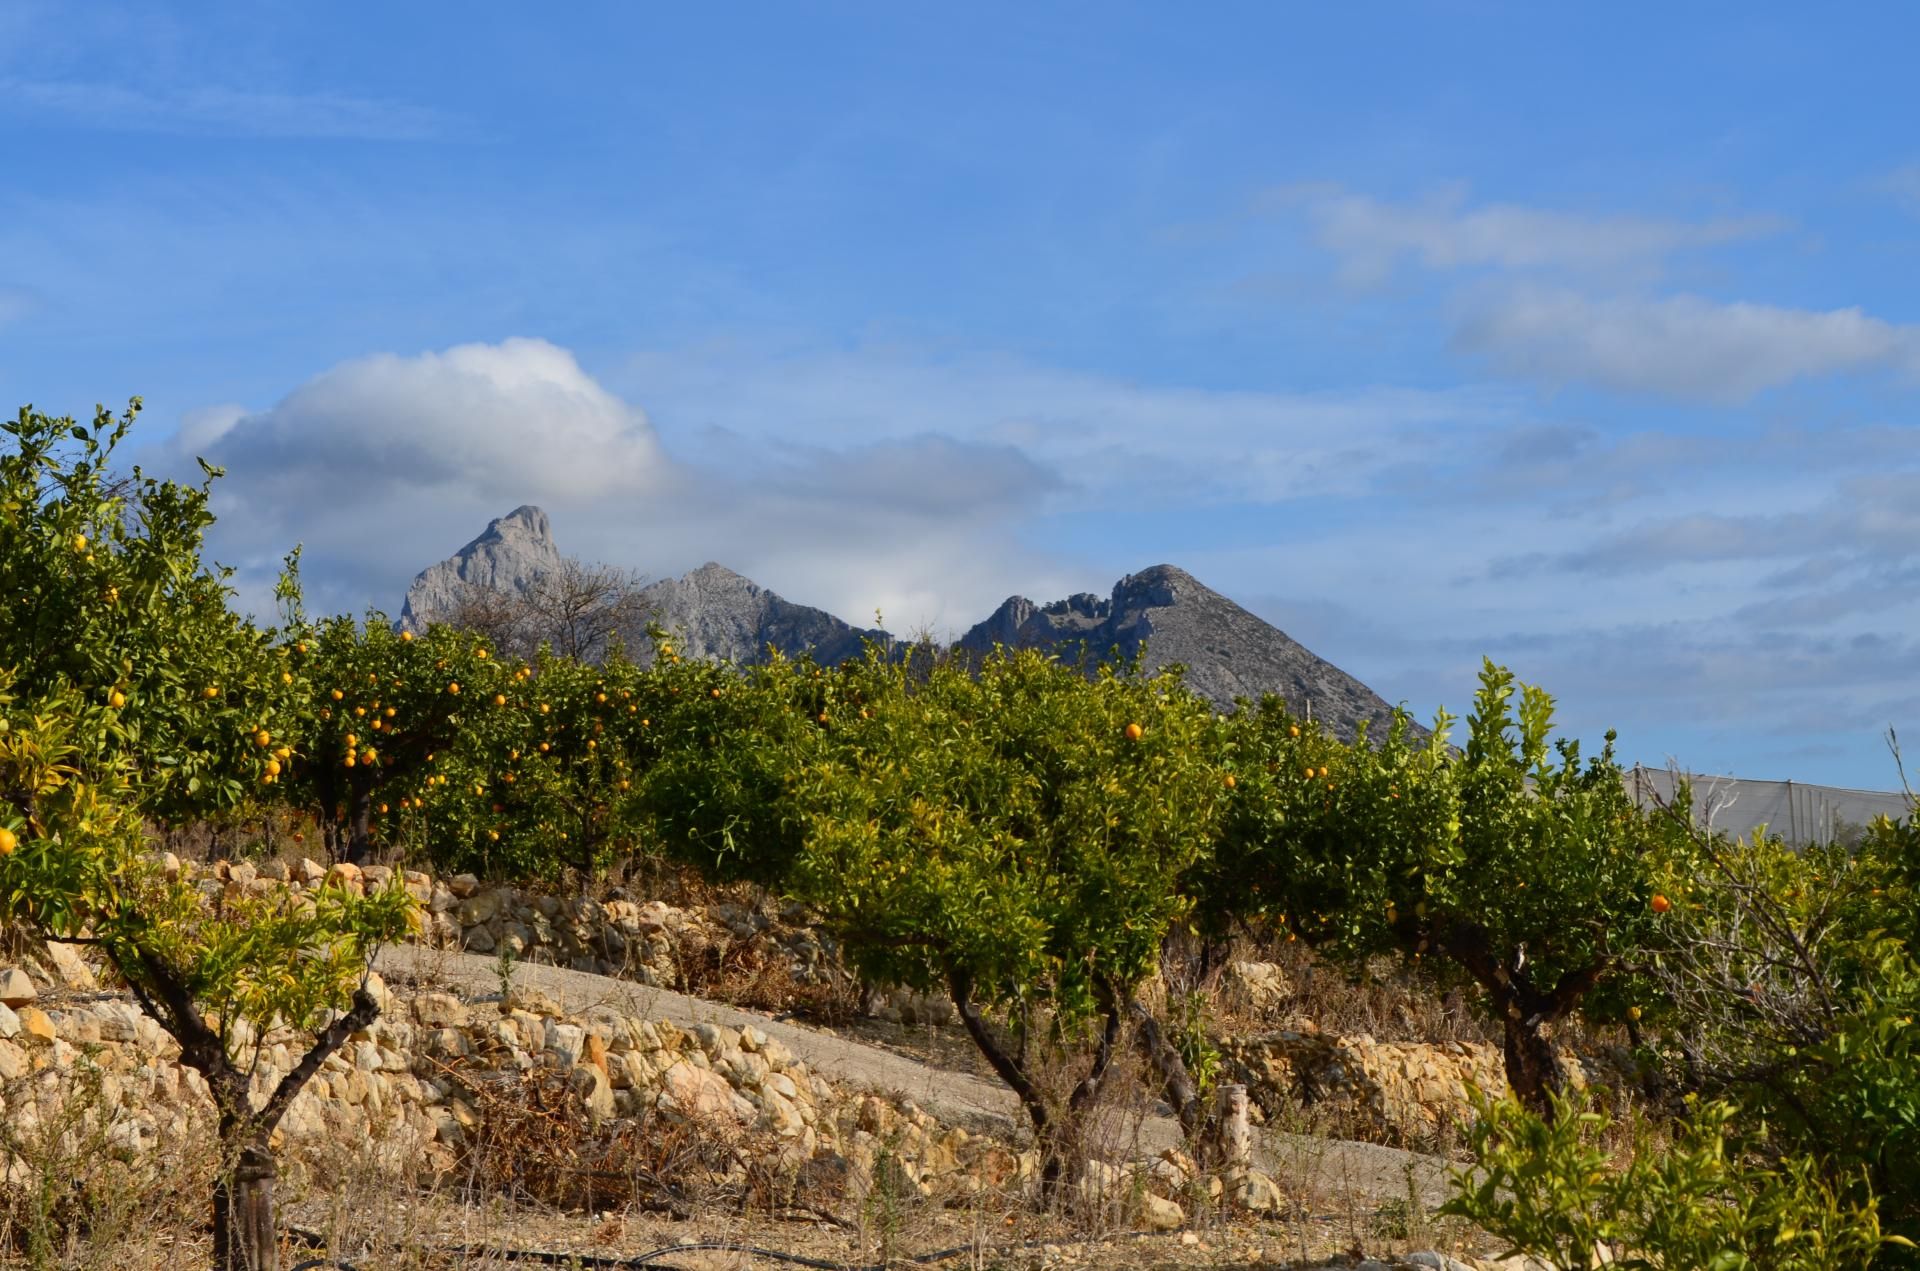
[[1331, 1172]]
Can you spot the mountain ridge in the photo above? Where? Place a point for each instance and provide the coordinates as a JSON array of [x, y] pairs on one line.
[[1228, 652]]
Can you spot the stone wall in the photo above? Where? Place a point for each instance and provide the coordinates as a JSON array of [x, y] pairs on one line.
[[409, 1081], [1408, 1094]]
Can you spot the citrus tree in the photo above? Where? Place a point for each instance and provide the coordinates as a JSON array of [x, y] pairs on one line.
[[98, 599], [382, 708], [1513, 864], [95, 742], [1011, 837], [542, 774]]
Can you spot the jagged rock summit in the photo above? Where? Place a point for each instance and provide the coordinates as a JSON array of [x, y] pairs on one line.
[[510, 553], [717, 613], [1228, 652], [712, 612]]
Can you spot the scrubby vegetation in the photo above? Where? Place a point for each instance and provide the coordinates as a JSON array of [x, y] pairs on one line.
[[1053, 848]]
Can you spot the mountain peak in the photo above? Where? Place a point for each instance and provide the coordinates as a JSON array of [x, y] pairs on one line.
[[509, 555], [525, 519], [1229, 653]]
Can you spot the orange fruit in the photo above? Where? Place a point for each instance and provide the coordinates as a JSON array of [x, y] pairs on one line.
[[79, 542], [1293, 730], [210, 692], [273, 767], [116, 699], [337, 695], [1230, 781], [8, 841], [1633, 1012], [499, 699], [406, 637], [1661, 904], [1135, 732], [454, 687]]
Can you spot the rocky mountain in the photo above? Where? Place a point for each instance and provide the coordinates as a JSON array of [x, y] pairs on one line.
[[716, 613], [712, 611], [509, 554], [1227, 651]]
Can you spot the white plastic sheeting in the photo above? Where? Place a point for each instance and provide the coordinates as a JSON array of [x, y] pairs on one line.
[[1797, 812]]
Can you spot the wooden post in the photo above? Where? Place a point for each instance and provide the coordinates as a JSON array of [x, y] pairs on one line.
[[1236, 1136]]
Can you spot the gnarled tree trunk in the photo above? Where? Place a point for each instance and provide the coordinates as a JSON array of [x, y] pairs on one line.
[[1058, 1137], [245, 1236]]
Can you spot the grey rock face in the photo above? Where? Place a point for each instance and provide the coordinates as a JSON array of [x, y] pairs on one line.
[[716, 613], [508, 556], [1228, 652], [712, 612]]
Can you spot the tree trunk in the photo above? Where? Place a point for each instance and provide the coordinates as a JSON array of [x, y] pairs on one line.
[[1181, 1091], [1045, 1131], [360, 844], [1533, 1068], [244, 1233]]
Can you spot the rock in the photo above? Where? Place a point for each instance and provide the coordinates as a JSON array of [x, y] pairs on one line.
[[478, 907], [1263, 984], [1160, 1214], [13, 1062], [595, 1091], [1228, 652], [1435, 1261], [463, 885], [16, 988], [697, 1094], [511, 556], [36, 1026], [309, 872], [9, 1022], [477, 940], [440, 1010], [1257, 1193]]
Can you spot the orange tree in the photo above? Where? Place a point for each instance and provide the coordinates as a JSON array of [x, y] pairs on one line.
[[1511, 864], [1010, 837], [83, 763], [542, 775], [382, 709], [96, 598]]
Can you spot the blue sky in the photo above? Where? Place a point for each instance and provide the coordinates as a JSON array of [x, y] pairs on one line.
[[1585, 340]]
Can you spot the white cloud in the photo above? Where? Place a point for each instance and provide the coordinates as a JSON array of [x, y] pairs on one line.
[[1685, 346], [1442, 232], [382, 465], [1157, 444], [220, 111]]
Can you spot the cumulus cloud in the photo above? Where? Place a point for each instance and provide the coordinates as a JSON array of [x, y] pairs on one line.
[[385, 464], [1373, 237], [1684, 346]]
